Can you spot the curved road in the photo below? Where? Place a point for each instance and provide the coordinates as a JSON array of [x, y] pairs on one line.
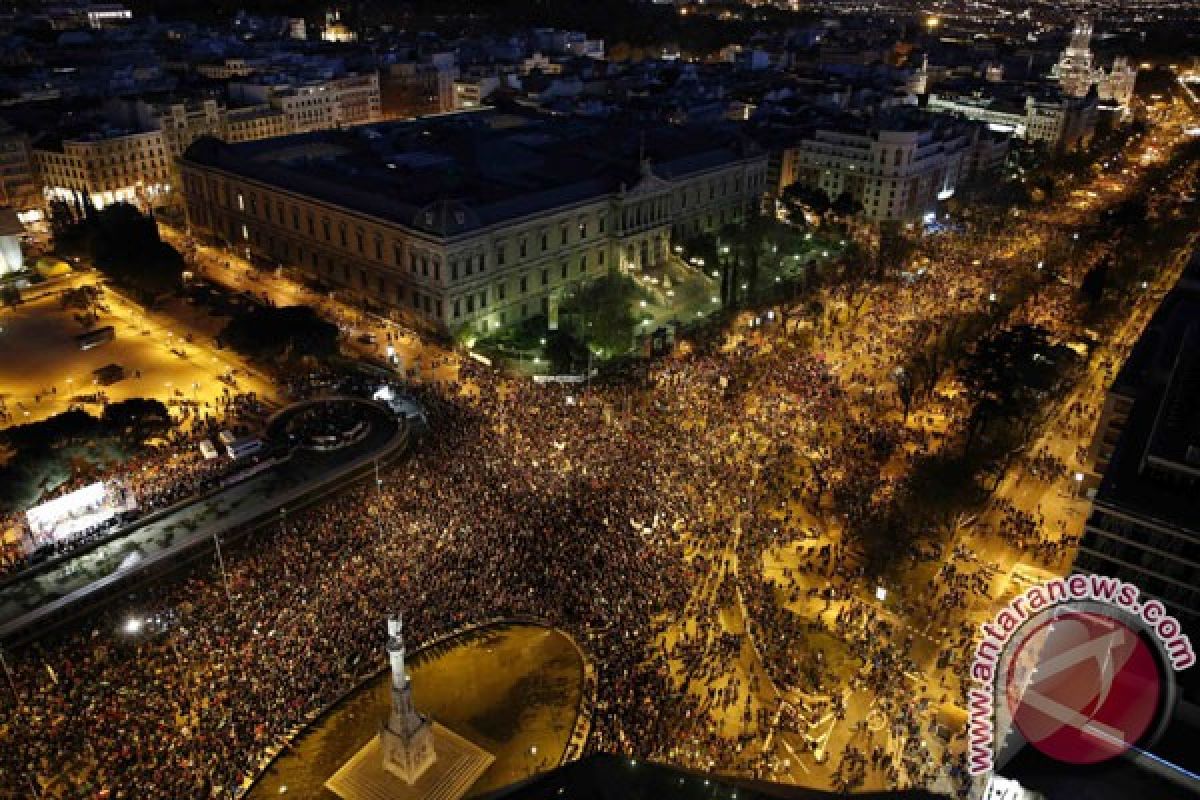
[[46, 595]]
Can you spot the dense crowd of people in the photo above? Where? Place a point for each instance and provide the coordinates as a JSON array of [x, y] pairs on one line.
[[168, 471], [632, 513]]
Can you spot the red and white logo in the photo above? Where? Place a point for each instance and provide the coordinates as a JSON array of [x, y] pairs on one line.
[[1083, 687]]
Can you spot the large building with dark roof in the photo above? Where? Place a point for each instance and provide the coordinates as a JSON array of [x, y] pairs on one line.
[[469, 221], [1144, 526]]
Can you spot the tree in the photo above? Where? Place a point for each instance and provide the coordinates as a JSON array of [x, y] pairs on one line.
[[800, 198], [137, 417], [844, 205], [10, 296], [604, 311], [1009, 373], [281, 333], [1094, 282], [124, 244], [83, 298]]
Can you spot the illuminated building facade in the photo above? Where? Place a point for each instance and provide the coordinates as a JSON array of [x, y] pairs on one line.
[[469, 221]]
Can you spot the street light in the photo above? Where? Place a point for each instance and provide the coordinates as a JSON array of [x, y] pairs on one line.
[[133, 626]]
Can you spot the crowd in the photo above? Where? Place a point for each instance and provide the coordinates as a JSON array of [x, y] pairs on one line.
[[159, 474], [629, 513]]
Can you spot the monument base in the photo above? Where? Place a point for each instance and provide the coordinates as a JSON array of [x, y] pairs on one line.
[[458, 765]]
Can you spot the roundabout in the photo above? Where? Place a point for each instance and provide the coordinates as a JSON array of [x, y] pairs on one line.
[[513, 689]]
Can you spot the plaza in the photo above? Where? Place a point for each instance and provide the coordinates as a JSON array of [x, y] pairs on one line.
[[774, 544], [512, 689], [167, 354]]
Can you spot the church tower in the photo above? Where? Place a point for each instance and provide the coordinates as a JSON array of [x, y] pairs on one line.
[[407, 737]]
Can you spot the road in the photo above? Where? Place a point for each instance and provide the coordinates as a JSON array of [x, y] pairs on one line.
[[294, 482]]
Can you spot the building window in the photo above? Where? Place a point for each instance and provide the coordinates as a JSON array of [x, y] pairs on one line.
[[562, 235], [583, 229], [524, 284], [545, 277], [454, 270], [524, 248], [583, 263], [457, 308], [500, 288]]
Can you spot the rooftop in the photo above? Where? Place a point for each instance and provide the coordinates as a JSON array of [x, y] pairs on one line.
[[1156, 465], [450, 174], [603, 776]]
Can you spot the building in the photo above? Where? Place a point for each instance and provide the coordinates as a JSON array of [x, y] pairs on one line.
[[1143, 526], [317, 103], [1053, 119], [413, 89], [898, 166], [104, 166], [335, 30], [18, 184], [11, 230], [472, 221], [248, 123], [1077, 73], [231, 68], [181, 122], [471, 91]]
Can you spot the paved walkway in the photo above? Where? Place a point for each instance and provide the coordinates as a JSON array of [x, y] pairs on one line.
[[304, 477]]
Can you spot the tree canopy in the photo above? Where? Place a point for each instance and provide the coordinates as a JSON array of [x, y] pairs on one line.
[[283, 333], [602, 312], [124, 244]]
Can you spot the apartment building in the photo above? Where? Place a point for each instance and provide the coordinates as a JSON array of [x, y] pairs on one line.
[[106, 166], [18, 184], [898, 166], [317, 103], [473, 221]]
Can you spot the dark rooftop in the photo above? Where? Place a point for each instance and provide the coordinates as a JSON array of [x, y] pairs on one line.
[[607, 777], [1156, 465], [450, 174]]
